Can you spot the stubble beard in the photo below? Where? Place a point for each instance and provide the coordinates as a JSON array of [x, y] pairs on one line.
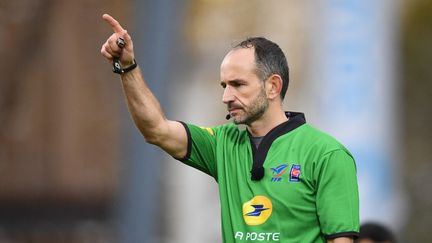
[[255, 111]]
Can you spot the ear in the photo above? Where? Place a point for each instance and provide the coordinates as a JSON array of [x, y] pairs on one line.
[[273, 86]]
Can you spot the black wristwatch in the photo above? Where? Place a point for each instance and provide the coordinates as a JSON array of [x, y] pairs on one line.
[[118, 69]]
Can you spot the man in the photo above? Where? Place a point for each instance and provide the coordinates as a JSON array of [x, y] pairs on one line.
[[280, 180]]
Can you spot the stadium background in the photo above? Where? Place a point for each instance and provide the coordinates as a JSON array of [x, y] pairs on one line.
[[74, 169]]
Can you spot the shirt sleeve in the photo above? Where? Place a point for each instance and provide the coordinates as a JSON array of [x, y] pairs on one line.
[[337, 195], [201, 149]]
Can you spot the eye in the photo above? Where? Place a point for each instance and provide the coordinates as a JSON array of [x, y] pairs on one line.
[[236, 84], [223, 85]]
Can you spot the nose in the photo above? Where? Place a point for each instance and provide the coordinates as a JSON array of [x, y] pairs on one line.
[[228, 95]]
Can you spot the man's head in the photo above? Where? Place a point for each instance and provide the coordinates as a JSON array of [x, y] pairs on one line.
[[254, 75], [269, 60]]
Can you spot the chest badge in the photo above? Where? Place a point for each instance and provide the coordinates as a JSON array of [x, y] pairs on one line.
[[295, 172], [278, 172]]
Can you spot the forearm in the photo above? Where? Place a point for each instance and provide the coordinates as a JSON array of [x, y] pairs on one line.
[[143, 105]]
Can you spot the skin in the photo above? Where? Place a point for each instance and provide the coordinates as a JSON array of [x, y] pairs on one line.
[[249, 100], [366, 241], [143, 106], [341, 240]]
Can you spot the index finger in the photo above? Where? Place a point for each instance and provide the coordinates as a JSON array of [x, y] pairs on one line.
[[115, 25]]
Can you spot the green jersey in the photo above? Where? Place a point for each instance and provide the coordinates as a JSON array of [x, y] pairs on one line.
[[307, 192]]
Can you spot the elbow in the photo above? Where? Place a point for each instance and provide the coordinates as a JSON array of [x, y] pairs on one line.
[[147, 130], [153, 132], [151, 139], [152, 136]]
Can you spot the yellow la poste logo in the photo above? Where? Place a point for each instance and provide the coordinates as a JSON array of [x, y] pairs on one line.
[[257, 210]]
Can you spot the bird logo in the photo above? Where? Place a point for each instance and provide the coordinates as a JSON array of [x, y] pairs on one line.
[[278, 172]]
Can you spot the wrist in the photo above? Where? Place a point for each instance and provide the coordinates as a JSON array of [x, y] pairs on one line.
[[128, 63], [124, 68], [129, 66]]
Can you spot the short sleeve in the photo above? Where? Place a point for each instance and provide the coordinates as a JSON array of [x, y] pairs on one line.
[[337, 195], [201, 149]]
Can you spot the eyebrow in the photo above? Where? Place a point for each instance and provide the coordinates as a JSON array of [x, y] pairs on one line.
[[234, 81]]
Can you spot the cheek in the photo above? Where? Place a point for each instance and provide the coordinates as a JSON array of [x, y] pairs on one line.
[[252, 95], [245, 97]]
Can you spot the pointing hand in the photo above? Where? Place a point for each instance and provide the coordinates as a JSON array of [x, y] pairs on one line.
[[111, 49]]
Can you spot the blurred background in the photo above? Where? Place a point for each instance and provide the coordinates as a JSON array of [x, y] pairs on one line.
[[74, 169]]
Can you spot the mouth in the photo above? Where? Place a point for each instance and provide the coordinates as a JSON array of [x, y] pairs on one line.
[[234, 109]]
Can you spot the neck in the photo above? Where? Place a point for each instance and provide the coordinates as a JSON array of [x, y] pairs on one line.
[[270, 119]]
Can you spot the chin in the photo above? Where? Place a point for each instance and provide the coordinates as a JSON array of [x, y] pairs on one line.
[[238, 120]]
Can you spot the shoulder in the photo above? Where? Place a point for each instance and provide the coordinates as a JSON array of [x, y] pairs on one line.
[[317, 141], [315, 135], [224, 130], [228, 129]]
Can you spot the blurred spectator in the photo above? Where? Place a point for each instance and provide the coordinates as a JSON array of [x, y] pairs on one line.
[[375, 233]]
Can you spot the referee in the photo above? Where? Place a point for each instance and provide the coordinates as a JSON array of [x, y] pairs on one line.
[[280, 179]]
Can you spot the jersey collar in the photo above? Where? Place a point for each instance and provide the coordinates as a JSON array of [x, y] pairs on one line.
[[295, 119]]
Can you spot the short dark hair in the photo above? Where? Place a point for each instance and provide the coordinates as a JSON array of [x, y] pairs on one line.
[[269, 59], [376, 232]]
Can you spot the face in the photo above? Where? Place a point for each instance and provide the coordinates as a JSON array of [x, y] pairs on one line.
[[244, 92]]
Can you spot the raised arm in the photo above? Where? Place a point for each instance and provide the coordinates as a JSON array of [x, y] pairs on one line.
[[143, 106]]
